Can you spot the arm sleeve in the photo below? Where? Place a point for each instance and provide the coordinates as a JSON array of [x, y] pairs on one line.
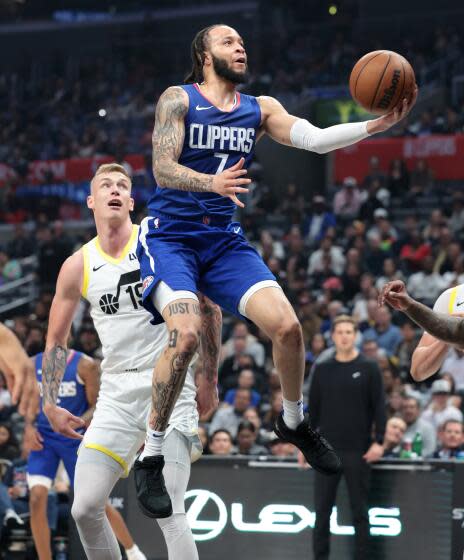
[[378, 403], [306, 136], [314, 396]]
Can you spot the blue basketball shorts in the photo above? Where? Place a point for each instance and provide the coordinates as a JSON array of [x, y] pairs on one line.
[[56, 448], [212, 258]]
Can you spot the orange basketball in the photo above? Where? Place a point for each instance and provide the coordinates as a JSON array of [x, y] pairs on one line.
[[380, 80]]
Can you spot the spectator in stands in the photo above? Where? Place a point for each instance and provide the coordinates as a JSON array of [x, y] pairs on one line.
[[374, 173], [248, 344], [454, 366], [22, 243], [375, 254], [333, 252], [414, 251], [398, 178], [51, 256], [35, 340], [276, 408], [372, 202], [292, 201], [394, 433], [229, 417], [9, 447], [268, 247], [88, 342], [5, 396], [426, 285], [456, 220], [318, 221], [433, 229], [440, 410], [246, 380], [221, 443], [421, 178], [246, 440], [309, 320], [280, 448], [407, 346], [347, 201], [390, 272], [452, 439], [10, 269], [410, 412], [445, 251], [386, 335], [394, 403]]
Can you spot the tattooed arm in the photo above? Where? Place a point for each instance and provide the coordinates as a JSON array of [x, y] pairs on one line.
[[444, 327], [168, 139], [64, 305], [210, 345]]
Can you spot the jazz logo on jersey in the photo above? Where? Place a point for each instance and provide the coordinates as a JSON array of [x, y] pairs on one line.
[[109, 303], [214, 137]]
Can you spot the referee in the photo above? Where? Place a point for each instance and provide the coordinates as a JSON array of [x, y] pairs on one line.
[[347, 403]]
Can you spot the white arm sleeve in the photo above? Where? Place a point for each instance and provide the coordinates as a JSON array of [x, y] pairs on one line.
[[306, 136]]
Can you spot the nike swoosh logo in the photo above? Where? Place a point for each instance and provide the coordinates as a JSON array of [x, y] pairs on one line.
[[95, 268], [460, 303], [198, 108]]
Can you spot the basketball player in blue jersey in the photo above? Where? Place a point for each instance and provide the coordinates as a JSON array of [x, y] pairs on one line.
[[203, 140], [77, 395]]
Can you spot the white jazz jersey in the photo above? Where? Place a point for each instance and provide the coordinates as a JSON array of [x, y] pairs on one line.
[[130, 343], [451, 301]]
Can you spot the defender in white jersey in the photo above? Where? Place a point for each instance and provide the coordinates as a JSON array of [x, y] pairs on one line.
[[431, 352], [106, 272]]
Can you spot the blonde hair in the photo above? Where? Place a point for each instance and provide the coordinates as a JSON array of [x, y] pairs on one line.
[[111, 168]]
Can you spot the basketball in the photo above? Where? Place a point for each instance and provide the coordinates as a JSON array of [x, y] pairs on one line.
[[380, 80]]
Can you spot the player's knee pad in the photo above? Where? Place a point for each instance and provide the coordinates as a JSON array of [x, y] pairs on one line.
[[174, 527]]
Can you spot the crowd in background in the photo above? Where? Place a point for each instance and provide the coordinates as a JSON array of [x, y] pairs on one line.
[[331, 255]]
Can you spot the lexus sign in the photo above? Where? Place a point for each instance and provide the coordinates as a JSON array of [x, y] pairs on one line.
[[274, 518]]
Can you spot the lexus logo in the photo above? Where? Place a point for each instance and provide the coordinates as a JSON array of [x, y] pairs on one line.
[[202, 529]]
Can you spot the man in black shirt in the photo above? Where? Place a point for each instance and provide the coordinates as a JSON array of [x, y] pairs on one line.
[[347, 403]]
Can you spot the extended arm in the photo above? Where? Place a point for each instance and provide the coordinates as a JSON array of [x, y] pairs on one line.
[[64, 305], [443, 327], [293, 131], [428, 357], [19, 373], [89, 372], [168, 139], [210, 346]]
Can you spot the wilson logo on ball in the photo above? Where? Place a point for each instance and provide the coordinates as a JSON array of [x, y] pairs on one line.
[[389, 93]]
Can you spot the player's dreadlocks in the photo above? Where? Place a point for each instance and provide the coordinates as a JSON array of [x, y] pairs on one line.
[[197, 51]]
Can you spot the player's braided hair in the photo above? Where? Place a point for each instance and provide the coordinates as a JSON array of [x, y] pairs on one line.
[[197, 51]]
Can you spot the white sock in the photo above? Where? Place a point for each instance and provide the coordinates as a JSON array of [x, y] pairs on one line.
[[153, 444], [134, 553], [293, 412]]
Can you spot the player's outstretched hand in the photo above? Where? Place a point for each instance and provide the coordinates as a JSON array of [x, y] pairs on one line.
[[207, 397], [390, 119], [394, 293], [228, 182], [22, 384], [63, 422]]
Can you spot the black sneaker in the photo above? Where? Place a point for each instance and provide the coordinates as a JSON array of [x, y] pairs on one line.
[[152, 496], [317, 450]]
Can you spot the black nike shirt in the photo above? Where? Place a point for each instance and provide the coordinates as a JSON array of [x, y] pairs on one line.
[[347, 402]]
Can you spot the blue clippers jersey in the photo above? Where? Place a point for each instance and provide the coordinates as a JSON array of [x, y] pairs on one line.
[[214, 140], [71, 395]]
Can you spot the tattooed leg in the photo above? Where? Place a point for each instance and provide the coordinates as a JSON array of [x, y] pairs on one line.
[[184, 323]]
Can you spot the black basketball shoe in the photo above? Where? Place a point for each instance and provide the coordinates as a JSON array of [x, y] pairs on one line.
[[317, 451], [152, 496]]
